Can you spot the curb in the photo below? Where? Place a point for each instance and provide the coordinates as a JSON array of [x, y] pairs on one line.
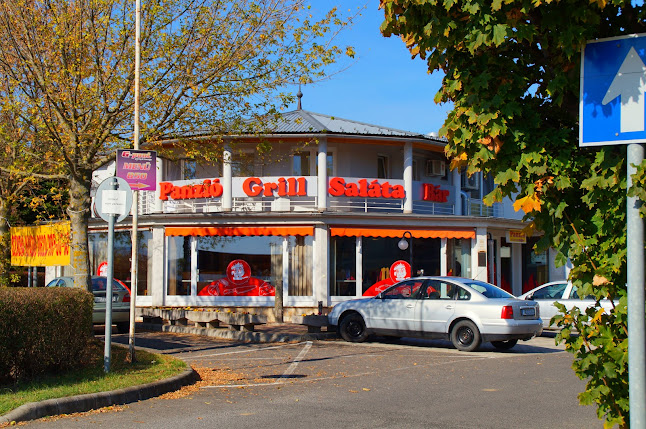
[[90, 401], [246, 336]]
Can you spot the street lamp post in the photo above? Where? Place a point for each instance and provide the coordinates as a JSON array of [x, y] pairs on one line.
[[404, 244]]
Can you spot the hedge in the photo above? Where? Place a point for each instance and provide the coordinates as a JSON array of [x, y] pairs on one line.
[[42, 330]]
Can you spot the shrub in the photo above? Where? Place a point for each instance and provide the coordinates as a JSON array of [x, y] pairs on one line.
[[42, 330]]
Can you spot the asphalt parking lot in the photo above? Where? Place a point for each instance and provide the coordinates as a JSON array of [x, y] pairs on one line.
[[407, 383]]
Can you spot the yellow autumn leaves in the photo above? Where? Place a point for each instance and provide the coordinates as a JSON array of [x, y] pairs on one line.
[[532, 202], [528, 204]]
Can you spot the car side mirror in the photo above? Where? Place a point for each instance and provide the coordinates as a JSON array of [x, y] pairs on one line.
[[529, 297], [379, 296]]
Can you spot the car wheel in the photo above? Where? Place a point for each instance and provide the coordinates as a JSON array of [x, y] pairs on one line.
[[353, 328], [123, 327], [504, 345], [465, 336]]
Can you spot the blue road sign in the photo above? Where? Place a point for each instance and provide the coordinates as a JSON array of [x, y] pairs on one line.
[[613, 83]]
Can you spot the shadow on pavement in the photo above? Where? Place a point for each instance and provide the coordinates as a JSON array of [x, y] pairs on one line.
[[521, 347]]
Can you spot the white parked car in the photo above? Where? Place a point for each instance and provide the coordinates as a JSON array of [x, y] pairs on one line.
[[465, 311], [563, 292]]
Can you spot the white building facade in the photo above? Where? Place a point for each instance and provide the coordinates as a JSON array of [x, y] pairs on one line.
[[322, 222]]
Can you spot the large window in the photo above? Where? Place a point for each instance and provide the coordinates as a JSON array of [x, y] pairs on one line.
[[98, 253], [458, 253], [301, 265], [239, 266], [304, 163], [179, 266], [535, 269], [380, 253], [505, 266], [383, 168], [301, 164], [189, 169], [243, 164], [343, 265]]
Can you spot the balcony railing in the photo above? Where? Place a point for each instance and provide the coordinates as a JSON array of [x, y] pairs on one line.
[[148, 204]]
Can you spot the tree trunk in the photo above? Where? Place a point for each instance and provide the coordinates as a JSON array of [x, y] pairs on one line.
[[5, 246], [79, 213]]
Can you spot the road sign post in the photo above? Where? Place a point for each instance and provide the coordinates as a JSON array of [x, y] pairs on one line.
[[139, 169], [113, 203], [612, 110]]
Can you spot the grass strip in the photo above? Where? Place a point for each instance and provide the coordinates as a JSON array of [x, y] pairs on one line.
[[90, 378]]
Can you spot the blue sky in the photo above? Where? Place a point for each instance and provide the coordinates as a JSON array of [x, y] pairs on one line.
[[383, 85]]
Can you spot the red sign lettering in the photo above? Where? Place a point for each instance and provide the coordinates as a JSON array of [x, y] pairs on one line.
[[208, 189], [290, 187], [434, 193], [339, 188]]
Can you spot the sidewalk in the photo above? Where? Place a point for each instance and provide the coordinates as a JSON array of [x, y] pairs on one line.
[[159, 343], [266, 333]]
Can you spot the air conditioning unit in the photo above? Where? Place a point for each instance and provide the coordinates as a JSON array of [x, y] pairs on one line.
[[435, 167], [470, 182]]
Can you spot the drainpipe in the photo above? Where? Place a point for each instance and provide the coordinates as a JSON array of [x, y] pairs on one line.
[[466, 204], [457, 185]]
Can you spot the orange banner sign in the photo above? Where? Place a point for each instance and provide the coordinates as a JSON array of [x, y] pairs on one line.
[[41, 246]]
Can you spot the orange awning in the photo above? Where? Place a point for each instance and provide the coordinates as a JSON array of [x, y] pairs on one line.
[[243, 231], [393, 232]]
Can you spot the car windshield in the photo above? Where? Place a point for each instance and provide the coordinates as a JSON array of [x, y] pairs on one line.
[[490, 291], [99, 285], [575, 295]]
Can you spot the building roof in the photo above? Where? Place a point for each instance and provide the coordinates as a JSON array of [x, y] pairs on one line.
[[306, 122]]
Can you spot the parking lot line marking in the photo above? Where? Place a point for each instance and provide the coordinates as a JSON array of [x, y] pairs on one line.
[[310, 380], [296, 361], [258, 349]]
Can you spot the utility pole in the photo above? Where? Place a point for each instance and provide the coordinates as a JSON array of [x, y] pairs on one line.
[[135, 196]]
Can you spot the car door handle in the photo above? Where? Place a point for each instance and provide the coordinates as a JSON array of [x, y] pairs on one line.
[[449, 307], [410, 305]]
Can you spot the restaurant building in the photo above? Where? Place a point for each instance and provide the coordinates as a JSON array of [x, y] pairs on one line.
[[343, 210]]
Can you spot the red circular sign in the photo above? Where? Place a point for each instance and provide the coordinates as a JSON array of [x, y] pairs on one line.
[[102, 270], [400, 270], [238, 272]]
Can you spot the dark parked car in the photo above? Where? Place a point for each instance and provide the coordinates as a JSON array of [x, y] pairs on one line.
[[120, 300]]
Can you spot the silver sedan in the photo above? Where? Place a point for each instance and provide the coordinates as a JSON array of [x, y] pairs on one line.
[[465, 311], [120, 300], [563, 292]]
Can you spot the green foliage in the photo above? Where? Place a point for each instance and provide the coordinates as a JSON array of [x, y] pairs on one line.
[[512, 73], [600, 347], [207, 68], [44, 201], [32, 342], [89, 377]]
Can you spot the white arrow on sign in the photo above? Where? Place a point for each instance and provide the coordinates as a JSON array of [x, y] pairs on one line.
[[629, 84]]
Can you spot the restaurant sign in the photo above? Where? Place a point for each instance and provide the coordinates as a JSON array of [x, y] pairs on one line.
[[138, 168], [41, 246], [281, 187], [516, 236]]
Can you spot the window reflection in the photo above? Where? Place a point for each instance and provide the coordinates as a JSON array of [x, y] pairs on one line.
[[343, 266], [179, 266], [98, 253], [239, 266]]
